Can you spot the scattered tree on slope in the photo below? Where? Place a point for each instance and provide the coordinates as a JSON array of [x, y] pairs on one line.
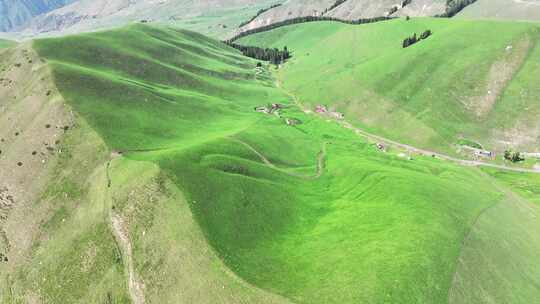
[[414, 39]]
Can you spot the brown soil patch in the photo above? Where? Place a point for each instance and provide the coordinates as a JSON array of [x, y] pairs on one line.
[[134, 285], [500, 74], [28, 146]]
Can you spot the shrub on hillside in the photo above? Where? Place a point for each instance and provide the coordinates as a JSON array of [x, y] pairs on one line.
[[425, 34], [414, 39], [514, 157], [410, 41]]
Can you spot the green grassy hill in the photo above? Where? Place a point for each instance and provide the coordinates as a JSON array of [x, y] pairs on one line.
[[168, 169], [6, 43], [472, 80]]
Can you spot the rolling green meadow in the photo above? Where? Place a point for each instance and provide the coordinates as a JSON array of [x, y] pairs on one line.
[[470, 79], [223, 204], [6, 43]]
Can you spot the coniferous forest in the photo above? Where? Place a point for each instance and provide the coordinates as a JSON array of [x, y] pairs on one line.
[[273, 55]]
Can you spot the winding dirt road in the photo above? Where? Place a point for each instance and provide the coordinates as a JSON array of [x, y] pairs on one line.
[[412, 149]]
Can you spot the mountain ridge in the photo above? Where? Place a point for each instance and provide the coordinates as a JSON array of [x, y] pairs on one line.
[[16, 13]]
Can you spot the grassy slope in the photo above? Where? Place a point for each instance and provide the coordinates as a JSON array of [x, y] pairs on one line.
[[221, 23], [74, 256], [526, 185], [420, 94], [499, 262], [6, 43], [372, 228]]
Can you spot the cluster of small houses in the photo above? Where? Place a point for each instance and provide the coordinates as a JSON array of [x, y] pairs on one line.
[[270, 109], [274, 109], [324, 111], [478, 153]]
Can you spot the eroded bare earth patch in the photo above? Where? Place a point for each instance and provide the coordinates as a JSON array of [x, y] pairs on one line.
[[500, 74], [33, 121]]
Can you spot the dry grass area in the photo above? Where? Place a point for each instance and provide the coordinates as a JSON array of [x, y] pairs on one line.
[[500, 74], [33, 121]]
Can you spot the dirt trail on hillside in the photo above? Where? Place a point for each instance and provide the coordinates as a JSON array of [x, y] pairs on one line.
[[412, 149], [319, 166], [134, 285]]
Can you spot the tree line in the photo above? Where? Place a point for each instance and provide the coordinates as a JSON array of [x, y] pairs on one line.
[[405, 3], [414, 39], [260, 12], [333, 6], [273, 55], [455, 6], [304, 20]]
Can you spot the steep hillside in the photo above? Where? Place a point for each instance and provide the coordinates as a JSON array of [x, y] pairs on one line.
[[469, 81], [498, 262], [503, 9], [366, 9], [14, 13], [216, 17], [348, 10], [169, 188], [64, 232], [288, 10]]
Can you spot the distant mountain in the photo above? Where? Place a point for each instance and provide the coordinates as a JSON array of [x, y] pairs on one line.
[[348, 9], [366, 9], [222, 18], [504, 9], [14, 13], [207, 16]]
